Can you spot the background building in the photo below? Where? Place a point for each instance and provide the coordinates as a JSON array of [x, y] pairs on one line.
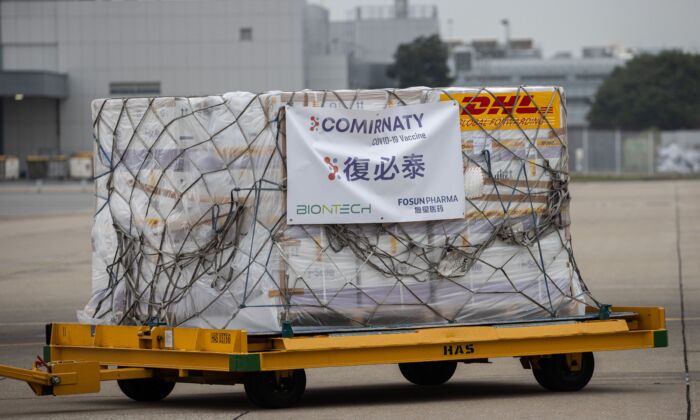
[[323, 68], [520, 62], [371, 38], [57, 56]]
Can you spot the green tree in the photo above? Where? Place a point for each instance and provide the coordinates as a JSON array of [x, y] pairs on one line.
[[421, 62], [651, 91]]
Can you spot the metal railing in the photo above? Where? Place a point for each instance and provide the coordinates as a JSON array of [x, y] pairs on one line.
[[621, 152]]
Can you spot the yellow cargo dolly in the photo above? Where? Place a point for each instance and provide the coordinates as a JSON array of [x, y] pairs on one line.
[[148, 361]]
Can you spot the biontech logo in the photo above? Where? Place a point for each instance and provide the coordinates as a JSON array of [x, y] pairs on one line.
[[334, 208]]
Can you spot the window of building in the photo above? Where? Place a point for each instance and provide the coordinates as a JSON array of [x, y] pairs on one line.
[[246, 34], [134, 88]]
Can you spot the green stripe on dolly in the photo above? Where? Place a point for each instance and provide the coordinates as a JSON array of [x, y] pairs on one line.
[[244, 363], [661, 338]]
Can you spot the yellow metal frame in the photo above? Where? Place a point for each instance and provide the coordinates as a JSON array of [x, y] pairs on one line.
[[79, 356]]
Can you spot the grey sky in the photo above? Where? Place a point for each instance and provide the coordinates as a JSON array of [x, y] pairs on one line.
[[563, 25]]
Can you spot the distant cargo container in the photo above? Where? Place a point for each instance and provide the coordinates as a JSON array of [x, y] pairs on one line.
[[80, 166], [9, 167]]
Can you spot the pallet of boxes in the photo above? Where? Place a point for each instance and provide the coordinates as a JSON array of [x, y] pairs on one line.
[[333, 210]]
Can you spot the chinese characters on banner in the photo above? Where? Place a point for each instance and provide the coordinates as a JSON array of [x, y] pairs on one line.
[[357, 169], [394, 165]]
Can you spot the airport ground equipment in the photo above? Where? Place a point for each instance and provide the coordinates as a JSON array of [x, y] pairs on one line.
[[147, 361]]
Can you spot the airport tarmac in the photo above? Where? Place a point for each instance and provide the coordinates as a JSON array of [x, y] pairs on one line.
[[627, 237]]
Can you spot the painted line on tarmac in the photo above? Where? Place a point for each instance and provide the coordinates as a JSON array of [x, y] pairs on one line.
[[22, 324], [37, 343], [679, 256]]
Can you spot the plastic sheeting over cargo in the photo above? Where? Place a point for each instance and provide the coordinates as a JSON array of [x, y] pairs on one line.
[[190, 220]]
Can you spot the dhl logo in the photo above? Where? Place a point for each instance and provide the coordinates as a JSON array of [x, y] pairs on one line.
[[507, 111], [502, 104]]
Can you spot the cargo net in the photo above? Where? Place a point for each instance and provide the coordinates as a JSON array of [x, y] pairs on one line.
[[190, 225]]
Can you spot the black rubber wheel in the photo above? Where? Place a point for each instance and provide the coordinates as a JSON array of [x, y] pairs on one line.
[[428, 373], [149, 389], [267, 390], [555, 375]]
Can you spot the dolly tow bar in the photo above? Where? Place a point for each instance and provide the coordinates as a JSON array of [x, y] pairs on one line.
[[69, 377]]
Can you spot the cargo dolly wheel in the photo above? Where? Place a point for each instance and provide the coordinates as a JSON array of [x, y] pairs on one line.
[[428, 373], [564, 372], [149, 389], [279, 389]]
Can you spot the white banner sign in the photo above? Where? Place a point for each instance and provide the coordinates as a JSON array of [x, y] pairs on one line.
[[400, 164]]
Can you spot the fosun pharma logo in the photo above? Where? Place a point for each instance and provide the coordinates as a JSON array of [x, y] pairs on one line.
[[332, 167], [315, 123]]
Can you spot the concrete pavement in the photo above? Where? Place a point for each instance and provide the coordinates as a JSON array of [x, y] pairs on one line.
[[625, 240]]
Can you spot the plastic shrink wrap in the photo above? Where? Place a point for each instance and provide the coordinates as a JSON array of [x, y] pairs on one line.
[[190, 227]]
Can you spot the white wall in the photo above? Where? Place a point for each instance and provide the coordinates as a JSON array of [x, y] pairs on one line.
[[376, 40], [323, 69], [327, 72], [371, 44], [316, 30], [29, 35]]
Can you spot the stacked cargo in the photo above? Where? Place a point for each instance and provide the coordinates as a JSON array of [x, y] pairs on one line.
[[191, 226]]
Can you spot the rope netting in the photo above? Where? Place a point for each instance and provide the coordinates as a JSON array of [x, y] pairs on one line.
[[190, 227]]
